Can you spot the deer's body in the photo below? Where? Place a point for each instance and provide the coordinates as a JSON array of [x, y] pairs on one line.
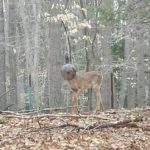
[[85, 81], [78, 83]]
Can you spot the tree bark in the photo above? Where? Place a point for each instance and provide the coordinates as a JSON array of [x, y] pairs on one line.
[[141, 86], [36, 13], [2, 59], [107, 59], [12, 53], [55, 61]]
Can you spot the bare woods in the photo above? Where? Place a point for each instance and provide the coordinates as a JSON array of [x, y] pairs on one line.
[[110, 36]]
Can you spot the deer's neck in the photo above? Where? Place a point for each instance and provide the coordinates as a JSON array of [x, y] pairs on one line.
[[74, 83]]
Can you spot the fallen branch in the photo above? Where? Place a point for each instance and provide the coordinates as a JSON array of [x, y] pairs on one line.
[[117, 124], [35, 111], [124, 123], [8, 113], [55, 116]]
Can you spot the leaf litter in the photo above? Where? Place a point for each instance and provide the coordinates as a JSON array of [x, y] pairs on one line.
[[117, 129]]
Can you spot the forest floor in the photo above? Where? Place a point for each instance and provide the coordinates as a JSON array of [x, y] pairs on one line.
[[110, 130]]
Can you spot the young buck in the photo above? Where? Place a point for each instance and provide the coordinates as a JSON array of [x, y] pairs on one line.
[[78, 83]]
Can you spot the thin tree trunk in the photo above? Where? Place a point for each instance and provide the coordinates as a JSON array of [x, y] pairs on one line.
[[148, 70], [26, 28], [107, 59], [6, 16], [140, 71], [106, 54], [127, 95], [12, 53], [2, 59], [36, 12]]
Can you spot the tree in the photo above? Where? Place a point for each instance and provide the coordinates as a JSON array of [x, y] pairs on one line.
[[2, 60], [106, 58], [12, 54], [55, 59]]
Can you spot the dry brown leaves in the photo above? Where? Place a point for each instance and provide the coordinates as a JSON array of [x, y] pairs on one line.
[[64, 131]]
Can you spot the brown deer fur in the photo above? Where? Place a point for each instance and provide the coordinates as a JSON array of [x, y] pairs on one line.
[[78, 83]]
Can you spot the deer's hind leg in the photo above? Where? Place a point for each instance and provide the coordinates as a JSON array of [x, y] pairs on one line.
[[100, 105]]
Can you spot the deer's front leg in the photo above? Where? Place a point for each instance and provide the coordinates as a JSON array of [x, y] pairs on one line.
[[75, 95]]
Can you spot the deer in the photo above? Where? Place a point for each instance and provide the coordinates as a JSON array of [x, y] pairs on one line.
[[81, 82]]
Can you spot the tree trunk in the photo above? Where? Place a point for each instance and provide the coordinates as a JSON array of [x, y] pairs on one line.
[[106, 54], [127, 93], [140, 71], [36, 13], [12, 54], [55, 61], [2, 60], [107, 59], [148, 72], [27, 36]]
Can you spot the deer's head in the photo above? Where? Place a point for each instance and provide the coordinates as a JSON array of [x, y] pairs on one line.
[[68, 71]]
